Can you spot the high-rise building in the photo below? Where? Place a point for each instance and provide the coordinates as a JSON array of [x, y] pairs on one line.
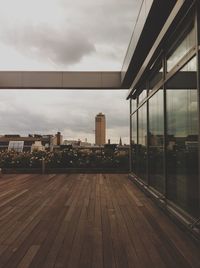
[[100, 129], [57, 139]]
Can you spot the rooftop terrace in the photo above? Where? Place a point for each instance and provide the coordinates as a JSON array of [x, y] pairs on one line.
[[82, 220]]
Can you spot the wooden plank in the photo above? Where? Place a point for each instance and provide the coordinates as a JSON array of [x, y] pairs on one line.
[[86, 220], [60, 236], [176, 239], [25, 262], [71, 223], [142, 230], [119, 205], [97, 258], [108, 248], [78, 241]]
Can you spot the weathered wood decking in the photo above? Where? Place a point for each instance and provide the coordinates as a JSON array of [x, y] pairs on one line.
[[86, 220]]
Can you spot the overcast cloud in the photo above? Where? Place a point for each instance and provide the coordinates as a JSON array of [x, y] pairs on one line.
[[65, 35]]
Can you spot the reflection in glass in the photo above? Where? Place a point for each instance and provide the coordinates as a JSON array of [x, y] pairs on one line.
[[134, 104], [157, 75], [142, 143], [142, 96], [134, 142], [156, 141], [182, 143], [182, 49], [191, 66]]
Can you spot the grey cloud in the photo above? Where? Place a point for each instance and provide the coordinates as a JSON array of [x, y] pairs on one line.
[[23, 121], [68, 111], [110, 23], [103, 27], [65, 46], [84, 105], [108, 20]]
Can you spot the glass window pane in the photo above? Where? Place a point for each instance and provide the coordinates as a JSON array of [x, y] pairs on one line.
[[134, 105], [182, 141], [156, 75], [142, 143], [156, 141], [142, 96], [16, 146], [134, 142], [181, 50]]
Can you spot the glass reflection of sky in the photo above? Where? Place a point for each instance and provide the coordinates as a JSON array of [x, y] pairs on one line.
[[181, 50]]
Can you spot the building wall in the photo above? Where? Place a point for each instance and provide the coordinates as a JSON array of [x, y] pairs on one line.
[[100, 129], [57, 139], [165, 121], [28, 141]]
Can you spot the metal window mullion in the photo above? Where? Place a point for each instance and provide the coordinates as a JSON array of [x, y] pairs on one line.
[[137, 124], [147, 130], [169, 75], [164, 62], [181, 63], [137, 119], [197, 28], [130, 151]]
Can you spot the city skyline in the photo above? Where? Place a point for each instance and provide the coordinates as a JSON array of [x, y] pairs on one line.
[[33, 37], [73, 117]]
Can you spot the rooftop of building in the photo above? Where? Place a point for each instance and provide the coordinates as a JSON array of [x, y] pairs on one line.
[[86, 220], [100, 114]]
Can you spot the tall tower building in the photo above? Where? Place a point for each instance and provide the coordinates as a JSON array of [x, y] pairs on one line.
[[100, 129]]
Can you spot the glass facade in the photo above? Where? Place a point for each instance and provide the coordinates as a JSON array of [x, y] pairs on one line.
[[185, 45], [157, 75], [182, 142], [156, 141], [142, 96], [134, 141], [142, 143], [165, 148]]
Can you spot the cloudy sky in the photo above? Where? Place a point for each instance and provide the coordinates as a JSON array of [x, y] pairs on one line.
[[65, 35]]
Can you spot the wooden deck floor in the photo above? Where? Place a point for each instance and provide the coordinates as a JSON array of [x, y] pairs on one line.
[[82, 220]]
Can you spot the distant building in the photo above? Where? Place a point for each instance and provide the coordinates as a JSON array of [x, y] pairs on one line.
[[100, 129], [120, 141], [17, 144], [71, 142], [57, 139], [29, 143], [37, 146], [85, 144], [77, 143]]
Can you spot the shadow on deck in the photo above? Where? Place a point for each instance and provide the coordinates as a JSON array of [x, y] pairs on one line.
[[86, 220]]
